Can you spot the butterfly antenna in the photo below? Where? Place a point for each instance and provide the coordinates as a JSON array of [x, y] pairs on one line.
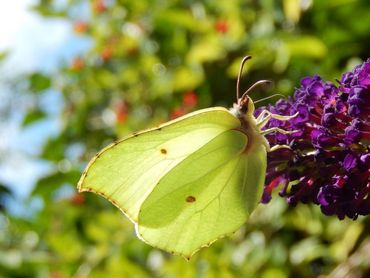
[[258, 83], [246, 58], [265, 98]]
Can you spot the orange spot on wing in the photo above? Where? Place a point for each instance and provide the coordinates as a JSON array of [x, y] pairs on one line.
[[190, 199]]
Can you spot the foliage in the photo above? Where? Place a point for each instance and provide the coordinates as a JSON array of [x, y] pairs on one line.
[[154, 60]]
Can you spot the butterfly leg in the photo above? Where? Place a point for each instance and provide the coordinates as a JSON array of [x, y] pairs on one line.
[[262, 115], [266, 115], [263, 119], [276, 129], [273, 129], [278, 147]]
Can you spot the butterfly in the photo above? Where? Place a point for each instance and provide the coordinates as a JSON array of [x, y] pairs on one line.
[[190, 181]]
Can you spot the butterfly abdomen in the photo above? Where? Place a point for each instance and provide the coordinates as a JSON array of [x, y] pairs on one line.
[[255, 140]]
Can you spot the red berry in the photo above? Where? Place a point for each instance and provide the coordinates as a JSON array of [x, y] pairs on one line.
[[56, 275], [99, 6], [190, 99], [121, 112], [177, 112], [221, 26], [77, 199], [80, 27], [106, 54], [77, 64]]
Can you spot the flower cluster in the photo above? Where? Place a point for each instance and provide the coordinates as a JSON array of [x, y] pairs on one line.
[[328, 162]]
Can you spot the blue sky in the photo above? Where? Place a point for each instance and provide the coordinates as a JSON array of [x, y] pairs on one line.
[[32, 43]]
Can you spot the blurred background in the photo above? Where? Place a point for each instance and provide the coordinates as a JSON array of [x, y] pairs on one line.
[[76, 75]]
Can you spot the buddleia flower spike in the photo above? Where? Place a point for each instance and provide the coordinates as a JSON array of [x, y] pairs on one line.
[[329, 160]]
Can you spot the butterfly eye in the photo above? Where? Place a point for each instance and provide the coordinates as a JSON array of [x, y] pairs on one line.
[[244, 104]]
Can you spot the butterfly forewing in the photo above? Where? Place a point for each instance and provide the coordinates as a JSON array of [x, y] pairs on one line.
[[127, 172]]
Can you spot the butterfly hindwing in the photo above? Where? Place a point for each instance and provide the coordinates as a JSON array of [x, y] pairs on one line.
[[208, 195]]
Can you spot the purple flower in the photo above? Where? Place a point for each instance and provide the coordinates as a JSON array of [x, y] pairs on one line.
[[328, 162]]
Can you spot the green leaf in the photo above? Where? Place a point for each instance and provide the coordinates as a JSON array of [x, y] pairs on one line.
[[170, 18], [39, 82], [33, 116], [307, 46], [47, 185], [66, 245], [208, 49], [3, 56], [292, 10], [187, 78]]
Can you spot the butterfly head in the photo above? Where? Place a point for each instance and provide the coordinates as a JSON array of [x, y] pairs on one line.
[[245, 106]]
